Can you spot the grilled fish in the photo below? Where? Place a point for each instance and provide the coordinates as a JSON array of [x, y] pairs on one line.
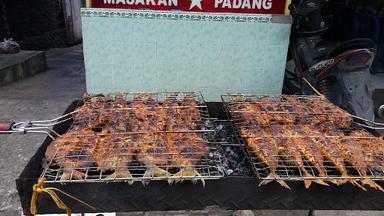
[[114, 153], [73, 153], [266, 150], [189, 149], [299, 146], [354, 154], [154, 152]]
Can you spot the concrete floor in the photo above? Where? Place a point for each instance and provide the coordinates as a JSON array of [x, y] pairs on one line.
[[42, 96], [46, 95]]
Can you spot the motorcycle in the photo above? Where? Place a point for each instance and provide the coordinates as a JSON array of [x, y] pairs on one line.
[[338, 70]]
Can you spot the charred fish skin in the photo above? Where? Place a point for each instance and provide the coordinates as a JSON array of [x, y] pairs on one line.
[[266, 150], [354, 154], [316, 141], [293, 146], [189, 149], [373, 151], [311, 151], [307, 149], [331, 153], [294, 155], [114, 153], [120, 125], [73, 153]]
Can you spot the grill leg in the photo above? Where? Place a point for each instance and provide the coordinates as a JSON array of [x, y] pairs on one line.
[[311, 213]]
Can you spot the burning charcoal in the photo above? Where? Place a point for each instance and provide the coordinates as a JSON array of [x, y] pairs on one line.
[[219, 127], [210, 155], [228, 150], [225, 163], [216, 155], [229, 171], [233, 160], [208, 124]]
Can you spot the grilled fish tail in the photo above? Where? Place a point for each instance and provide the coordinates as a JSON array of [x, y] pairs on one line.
[[308, 176], [308, 182], [273, 177], [322, 173], [355, 183], [344, 179], [372, 184]]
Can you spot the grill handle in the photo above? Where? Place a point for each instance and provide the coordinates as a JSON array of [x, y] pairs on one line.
[[6, 127], [42, 127]]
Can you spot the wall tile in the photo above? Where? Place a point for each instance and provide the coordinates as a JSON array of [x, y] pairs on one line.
[[158, 54]]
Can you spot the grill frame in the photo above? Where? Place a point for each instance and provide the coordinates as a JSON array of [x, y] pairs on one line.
[[230, 193], [207, 168], [296, 116], [285, 171]]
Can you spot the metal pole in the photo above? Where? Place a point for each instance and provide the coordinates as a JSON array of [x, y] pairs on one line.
[[287, 3], [88, 3]]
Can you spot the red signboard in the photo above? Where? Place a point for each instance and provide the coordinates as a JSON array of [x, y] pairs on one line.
[[212, 6]]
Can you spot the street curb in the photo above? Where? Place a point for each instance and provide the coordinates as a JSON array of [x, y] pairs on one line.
[[14, 67]]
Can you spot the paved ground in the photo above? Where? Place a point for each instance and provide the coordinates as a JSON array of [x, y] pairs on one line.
[[47, 95]]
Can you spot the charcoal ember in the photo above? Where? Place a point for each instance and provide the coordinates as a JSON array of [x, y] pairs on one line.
[[214, 156], [229, 172], [233, 160], [377, 172]]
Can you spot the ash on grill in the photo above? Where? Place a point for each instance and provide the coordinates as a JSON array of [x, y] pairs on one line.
[[232, 156]]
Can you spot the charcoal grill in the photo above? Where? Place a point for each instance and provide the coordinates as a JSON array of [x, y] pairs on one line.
[[229, 192]]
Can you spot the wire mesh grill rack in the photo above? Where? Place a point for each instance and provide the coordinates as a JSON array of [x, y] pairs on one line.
[[299, 150], [282, 109], [296, 166], [164, 111], [135, 137], [134, 158]]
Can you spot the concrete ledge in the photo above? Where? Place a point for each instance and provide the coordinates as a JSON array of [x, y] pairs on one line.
[[348, 213], [18, 66]]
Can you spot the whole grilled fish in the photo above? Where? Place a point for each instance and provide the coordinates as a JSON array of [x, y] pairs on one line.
[[266, 150], [289, 150], [353, 153], [292, 151], [329, 150]]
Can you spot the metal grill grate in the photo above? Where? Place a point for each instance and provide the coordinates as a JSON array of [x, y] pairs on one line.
[[266, 110], [288, 168], [135, 137], [128, 111], [304, 150]]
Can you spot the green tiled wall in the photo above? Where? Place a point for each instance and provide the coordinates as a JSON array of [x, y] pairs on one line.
[[171, 51]]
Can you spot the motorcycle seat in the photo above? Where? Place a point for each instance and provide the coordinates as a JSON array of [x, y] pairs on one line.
[[359, 43]]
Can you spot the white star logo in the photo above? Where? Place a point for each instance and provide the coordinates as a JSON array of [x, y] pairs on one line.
[[195, 3]]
